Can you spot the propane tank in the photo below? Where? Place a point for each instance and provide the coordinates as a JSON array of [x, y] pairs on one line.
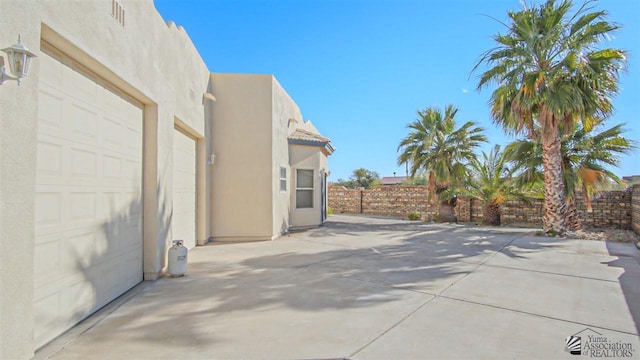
[[177, 259]]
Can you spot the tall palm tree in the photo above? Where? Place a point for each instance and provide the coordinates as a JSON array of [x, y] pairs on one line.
[[491, 182], [436, 146], [586, 157], [550, 73]]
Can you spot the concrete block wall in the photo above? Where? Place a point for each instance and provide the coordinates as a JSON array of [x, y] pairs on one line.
[[635, 208], [477, 211], [522, 213], [611, 209], [344, 201], [397, 201], [393, 201], [463, 209], [468, 210]]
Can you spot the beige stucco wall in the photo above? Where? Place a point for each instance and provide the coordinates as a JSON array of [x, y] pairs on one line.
[[241, 177], [149, 60], [286, 117], [252, 118]]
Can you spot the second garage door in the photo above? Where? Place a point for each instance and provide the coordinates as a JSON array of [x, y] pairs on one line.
[[183, 221]]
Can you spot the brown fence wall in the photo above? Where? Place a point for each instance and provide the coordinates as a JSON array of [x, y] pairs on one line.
[[394, 201], [611, 209], [343, 200]]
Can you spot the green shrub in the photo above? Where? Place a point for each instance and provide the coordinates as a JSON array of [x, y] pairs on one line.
[[413, 215], [329, 210], [552, 232]]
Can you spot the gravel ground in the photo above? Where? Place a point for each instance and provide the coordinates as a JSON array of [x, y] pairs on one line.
[[617, 235]]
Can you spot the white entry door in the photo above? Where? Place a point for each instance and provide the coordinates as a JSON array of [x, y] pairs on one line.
[[88, 205]]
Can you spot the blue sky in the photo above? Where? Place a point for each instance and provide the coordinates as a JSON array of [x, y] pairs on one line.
[[360, 69]]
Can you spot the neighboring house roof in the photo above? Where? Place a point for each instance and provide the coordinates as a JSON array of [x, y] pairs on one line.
[[303, 137], [632, 180], [393, 180]]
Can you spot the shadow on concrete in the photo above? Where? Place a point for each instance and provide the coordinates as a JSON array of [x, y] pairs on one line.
[[360, 224], [628, 260], [428, 260], [303, 274]]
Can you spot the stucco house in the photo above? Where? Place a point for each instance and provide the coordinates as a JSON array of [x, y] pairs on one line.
[[270, 168], [118, 141]]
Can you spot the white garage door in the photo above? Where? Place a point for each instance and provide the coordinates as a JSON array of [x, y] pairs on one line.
[[88, 226], [183, 221]]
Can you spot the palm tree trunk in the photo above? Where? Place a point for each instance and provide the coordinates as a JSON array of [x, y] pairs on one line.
[[433, 197], [554, 201], [573, 221], [491, 214]]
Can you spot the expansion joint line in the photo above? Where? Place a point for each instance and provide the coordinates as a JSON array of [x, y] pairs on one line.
[[392, 327], [435, 296]]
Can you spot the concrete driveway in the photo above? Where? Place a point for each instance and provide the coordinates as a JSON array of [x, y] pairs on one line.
[[365, 288]]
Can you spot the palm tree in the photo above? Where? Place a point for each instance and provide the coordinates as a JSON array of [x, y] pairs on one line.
[[550, 73], [491, 182], [586, 156], [436, 146]]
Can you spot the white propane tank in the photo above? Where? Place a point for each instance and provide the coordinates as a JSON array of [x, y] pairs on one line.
[[177, 259]]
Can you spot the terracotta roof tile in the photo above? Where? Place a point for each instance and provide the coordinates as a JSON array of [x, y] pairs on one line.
[[304, 135]]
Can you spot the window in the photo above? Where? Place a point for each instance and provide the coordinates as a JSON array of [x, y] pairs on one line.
[[283, 178], [304, 189]]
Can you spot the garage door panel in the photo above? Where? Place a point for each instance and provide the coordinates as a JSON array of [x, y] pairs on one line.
[[84, 122], [48, 209], [50, 159], [88, 198], [80, 292], [111, 167], [46, 317], [81, 89], [83, 162], [51, 72], [111, 134], [79, 252], [132, 143], [132, 173], [54, 104], [47, 258], [82, 207]]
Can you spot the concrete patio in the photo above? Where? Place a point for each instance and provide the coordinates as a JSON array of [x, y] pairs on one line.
[[367, 288]]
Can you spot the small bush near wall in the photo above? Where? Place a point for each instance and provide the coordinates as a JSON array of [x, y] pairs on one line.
[[413, 215]]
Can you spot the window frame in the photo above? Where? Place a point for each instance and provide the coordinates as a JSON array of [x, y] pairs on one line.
[[306, 189], [283, 180]]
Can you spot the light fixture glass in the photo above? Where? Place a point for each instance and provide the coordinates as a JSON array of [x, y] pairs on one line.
[[19, 58]]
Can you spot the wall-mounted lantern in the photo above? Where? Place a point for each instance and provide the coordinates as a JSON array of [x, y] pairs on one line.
[[19, 58]]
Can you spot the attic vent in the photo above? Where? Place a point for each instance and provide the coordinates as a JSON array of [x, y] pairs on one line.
[[117, 11]]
